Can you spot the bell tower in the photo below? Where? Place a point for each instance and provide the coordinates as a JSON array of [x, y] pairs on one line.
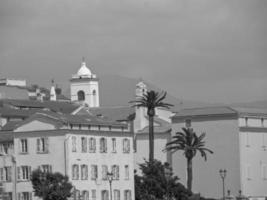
[[84, 87]]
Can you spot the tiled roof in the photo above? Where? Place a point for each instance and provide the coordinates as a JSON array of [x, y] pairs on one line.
[[251, 111], [11, 125], [205, 111], [64, 107], [114, 113], [11, 112], [76, 119]]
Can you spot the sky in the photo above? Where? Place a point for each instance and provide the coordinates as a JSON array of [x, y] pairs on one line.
[[204, 50]]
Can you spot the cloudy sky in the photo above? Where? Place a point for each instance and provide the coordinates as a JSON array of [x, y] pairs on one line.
[[207, 50]]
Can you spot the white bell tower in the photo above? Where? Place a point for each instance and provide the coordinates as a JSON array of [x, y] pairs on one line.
[[84, 87]]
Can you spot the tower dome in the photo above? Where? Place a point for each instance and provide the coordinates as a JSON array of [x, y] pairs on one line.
[[84, 71]]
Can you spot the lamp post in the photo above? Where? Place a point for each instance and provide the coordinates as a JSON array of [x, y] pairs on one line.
[[110, 179], [223, 175]]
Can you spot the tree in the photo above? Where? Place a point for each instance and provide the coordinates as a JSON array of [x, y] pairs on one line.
[[158, 183], [151, 100], [188, 142], [51, 186]]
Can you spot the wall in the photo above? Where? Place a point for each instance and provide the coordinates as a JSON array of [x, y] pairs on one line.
[[223, 139], [54, 157], [99, 159], [142, 148]]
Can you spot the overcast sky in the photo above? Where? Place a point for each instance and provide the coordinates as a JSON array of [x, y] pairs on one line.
[[207, 50]]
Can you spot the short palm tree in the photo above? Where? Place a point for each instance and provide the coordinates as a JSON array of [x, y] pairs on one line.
[[151, 100], [188, 142]]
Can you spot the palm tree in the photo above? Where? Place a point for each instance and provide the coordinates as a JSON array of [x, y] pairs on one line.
[[188, 142], [151, 100]]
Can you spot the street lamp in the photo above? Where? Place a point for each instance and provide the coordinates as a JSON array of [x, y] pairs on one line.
[[223, 175], [110, 179]]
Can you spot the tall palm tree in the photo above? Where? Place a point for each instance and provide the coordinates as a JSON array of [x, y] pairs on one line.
[[188, 142], [151, 100]]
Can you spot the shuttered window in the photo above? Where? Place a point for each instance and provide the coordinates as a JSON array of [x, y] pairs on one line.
[[42, 145]]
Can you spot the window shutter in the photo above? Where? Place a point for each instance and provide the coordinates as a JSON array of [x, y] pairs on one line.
[[19, 173], [38, 145], [18, 194], [46, 145], [1, 174], [9, 175], [50, 168], [29, 172], [128, 146], [30, 196]]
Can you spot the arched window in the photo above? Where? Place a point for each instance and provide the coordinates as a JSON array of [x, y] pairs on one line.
[[127, 195], [81, 95], [92, 145], [126, 145], [103, 145], [104, 195], [116, 195], [75, 172]]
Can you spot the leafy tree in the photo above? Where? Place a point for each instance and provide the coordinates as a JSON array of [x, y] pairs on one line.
[[158, 183], [188, 142], [51, 186], [151, 100]]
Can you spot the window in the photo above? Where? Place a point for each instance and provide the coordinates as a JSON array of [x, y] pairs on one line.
[[6, 174], [188, 123], [264, 140], [126, 168], [81, 95], [94, 172], [45, 168], [6, 148], [24, 173], [84, 171], [92, 145], [248, 172], [127, 195], [116, 195], [75, 172], [116, 172], [104, 195], [23, 146], [104, 172], [246, 121], [24, 196], [85, 195], [264, 171], [103, 145], [77, 195], [126, 145], [84, 144], [73, 139], [93, 194], [113, 145], [247, 140], [42, 145]]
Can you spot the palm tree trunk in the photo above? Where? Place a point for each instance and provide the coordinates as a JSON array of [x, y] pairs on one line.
[[189, 174], [151, 138]]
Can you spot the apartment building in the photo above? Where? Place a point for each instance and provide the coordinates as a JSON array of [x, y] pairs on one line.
[[238, 138], [83, 147]]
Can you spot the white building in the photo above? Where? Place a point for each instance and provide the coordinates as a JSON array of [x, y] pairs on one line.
[[84, 148], [84, 87], [238, 138]]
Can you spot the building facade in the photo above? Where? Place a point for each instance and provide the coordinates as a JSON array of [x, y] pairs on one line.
[[237, 137], [84, 149]]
